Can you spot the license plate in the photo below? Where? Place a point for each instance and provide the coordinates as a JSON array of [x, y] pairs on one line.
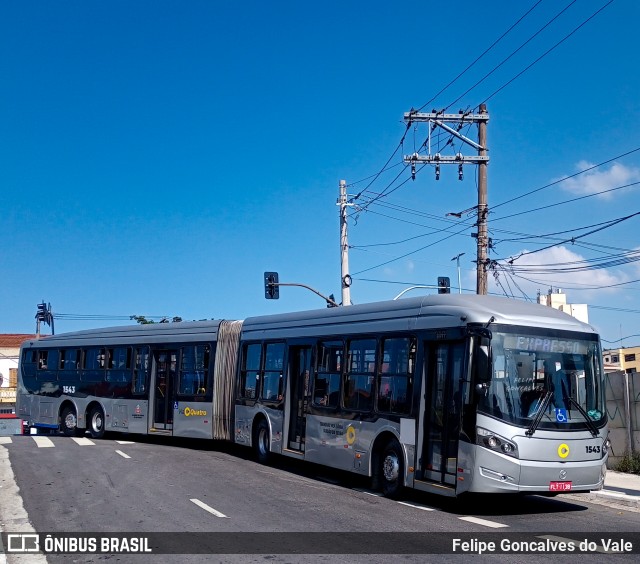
[[559, 486]]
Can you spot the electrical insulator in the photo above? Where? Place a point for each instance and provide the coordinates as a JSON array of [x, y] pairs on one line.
[[437, 172]]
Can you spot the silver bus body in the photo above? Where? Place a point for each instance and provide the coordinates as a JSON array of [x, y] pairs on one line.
[[447, 394]]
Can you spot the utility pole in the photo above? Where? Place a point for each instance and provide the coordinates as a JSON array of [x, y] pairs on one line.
[[441, 120], [483, 210], [345, 278]]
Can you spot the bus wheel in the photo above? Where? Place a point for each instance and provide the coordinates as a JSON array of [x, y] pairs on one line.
[[261, 443], [96, 423], [391, 471], [69, 422]]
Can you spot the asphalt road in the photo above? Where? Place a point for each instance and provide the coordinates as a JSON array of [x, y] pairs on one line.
[[154, 485]]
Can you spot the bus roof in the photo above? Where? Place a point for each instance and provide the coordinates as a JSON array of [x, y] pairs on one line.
[[425, 312], [126, 334]]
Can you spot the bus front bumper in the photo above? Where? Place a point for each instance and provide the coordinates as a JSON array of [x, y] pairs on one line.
[[496, 473]]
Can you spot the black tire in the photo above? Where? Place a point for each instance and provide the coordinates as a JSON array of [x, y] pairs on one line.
[[390, 471], [262, 442], [69, 422], [96, 422]]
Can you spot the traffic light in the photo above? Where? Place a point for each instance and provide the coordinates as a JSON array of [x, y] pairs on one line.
[[42, 314], [271, 288], [444, 285]]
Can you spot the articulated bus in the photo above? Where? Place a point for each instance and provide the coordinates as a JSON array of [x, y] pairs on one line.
[[446, 393]]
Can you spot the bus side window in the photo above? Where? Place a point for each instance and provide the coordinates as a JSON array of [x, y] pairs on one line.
[[250, 374], [326, 382], [140, 370], [42, 359]]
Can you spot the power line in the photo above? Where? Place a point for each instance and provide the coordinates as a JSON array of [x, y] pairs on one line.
[[375, 176], [511, 55], [601, 228], [578, 287], [481, 55], [548, 51], [103, 317], [566, 178], [567, 201], [410, 253]]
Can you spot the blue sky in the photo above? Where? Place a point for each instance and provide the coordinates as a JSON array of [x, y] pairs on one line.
[[157, 157]]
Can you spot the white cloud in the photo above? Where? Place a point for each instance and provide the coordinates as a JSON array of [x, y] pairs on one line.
[[598, 180]]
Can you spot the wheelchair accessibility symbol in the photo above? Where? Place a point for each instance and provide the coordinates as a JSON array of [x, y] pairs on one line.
[[561, 415]]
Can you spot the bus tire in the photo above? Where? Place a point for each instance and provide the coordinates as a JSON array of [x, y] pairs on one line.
[[391, 469], [261, 442], [96, 422], [69, 422]]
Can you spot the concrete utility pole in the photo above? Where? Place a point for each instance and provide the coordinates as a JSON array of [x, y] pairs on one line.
[[438, 119], [345, 278]]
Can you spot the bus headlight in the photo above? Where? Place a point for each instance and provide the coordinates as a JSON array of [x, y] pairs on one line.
[[495, 442], [605, 447]]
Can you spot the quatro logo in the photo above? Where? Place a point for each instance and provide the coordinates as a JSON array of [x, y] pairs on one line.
[[563, 450]]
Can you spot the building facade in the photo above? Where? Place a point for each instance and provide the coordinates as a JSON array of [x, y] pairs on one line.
[[557, 299], [626, 359]]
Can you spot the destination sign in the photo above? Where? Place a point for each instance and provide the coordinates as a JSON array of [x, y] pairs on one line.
[[542, 344]]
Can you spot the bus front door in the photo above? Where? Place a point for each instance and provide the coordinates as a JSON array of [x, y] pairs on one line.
[[299, 371], [443, 371], [163, 386]]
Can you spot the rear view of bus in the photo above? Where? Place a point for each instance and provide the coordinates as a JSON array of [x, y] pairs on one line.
[[541, 418]]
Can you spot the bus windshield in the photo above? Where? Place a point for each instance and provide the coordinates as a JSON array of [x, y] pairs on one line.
[[558, 381]]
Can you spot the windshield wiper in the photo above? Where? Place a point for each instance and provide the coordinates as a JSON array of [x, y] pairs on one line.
[[590, 424], [539, 414]]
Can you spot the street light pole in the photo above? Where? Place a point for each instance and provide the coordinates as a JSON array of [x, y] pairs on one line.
[[457, 259]]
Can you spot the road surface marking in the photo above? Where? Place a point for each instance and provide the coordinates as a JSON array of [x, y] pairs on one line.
[[42, 442], [122, 454], [207, 508], [83, 441], [125, 442], [423, 507], [374, 494], [484, 522], [5, 440]]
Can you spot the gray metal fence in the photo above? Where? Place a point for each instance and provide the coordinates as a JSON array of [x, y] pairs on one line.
[[623, 409]]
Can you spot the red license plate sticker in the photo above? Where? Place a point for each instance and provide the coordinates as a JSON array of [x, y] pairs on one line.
[[559, 486]]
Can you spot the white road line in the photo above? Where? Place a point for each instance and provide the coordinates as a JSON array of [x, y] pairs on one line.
[[43, 442], [484, 522], [83, 441], [122, 454], [207, 508], [125, 442], [5, 440], [423, 507], [374, 494]]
